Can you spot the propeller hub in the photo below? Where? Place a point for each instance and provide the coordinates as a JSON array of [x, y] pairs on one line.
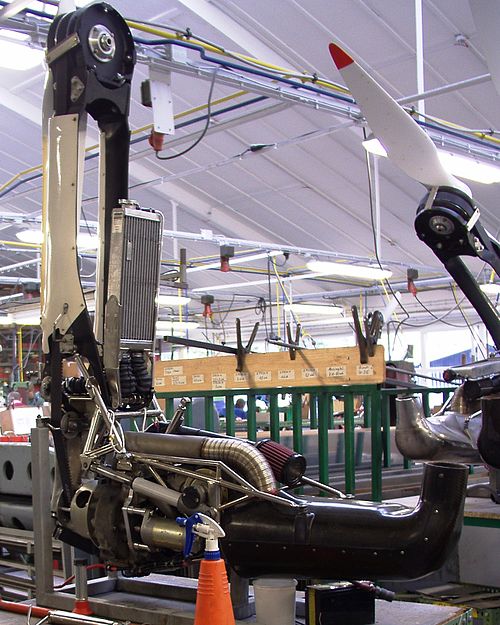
[[102, 43], [441, 225]]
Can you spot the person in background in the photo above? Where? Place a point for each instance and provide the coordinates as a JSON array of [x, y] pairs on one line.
[[239, 409], [34, 396]]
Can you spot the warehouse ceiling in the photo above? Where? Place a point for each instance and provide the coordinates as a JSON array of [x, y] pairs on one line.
[[280, 168]]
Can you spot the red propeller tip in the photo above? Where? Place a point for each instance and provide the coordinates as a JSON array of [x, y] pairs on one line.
[[339, 56]]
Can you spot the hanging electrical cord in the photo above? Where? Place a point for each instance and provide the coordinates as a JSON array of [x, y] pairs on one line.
[[296, 318], [405, 322], [272, 336], [185, 38], [14, 182], [261, 310], [203, 132], [479, 341], [373, 228]]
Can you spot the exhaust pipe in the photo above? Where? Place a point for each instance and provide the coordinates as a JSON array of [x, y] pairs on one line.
[[345, 539], [436, 438], [326, 538]]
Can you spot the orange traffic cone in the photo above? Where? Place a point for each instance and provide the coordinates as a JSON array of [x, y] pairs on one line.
[[213, 603]]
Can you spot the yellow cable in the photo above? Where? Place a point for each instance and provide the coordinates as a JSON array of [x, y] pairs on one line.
[[480, 135], [284, 71], [20, 354], [218, 50], [20, 244], [179, 294], [195, 109], [277, 290], [303, 330], [21, 173]]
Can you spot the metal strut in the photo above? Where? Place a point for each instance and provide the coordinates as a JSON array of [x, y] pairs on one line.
[[91, 59]]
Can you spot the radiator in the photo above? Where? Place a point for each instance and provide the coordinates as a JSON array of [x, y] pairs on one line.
[[134, 273]]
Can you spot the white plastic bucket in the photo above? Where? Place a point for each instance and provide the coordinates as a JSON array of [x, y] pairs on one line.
[[275, 601]]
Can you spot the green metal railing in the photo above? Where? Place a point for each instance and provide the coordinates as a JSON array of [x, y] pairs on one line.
[[321, 418]]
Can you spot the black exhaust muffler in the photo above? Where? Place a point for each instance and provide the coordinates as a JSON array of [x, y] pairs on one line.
[[346, 539]]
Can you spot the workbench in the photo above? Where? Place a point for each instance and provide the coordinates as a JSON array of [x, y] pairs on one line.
[[396, 613]]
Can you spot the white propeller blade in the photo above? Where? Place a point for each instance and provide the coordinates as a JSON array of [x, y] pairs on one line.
[[407, 145], [486, 14]]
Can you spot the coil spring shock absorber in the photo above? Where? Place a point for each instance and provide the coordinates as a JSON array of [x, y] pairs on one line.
[[142, 376], [75, 386], [127, 378]]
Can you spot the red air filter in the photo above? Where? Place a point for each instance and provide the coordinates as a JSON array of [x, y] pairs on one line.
[[287, 465]]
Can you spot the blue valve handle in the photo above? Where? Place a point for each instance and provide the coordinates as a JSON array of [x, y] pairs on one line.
[[188, 524]]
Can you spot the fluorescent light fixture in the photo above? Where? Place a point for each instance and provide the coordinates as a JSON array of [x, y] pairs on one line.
[[30, 236], [470, 168], [173, 300], [6, 320], [337, 321], [374, 146], [237, 285], [85, 240], [490, 288], [359, 272], [10, 297], [53, 9], [236, 259], [459, 165], [27, 317], [313, 309], [171, 326], [15, 52]]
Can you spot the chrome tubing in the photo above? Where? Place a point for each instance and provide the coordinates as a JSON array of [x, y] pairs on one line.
[[239, 455], [417, 440]]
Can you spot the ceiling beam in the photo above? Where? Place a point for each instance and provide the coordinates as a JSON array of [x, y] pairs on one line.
[[12, 9], [232, 30], [20, 106]]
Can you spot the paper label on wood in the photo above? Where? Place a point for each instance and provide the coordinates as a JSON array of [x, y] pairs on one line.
[[339, 371], [173, 370], [263, 376], [179, 380], [316, 367], [219, 381], [117, 226], [309, 373], [241, 376], [364, 369]]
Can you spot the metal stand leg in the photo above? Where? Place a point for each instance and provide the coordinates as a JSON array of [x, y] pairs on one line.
[[242, 607], [42, 521]]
